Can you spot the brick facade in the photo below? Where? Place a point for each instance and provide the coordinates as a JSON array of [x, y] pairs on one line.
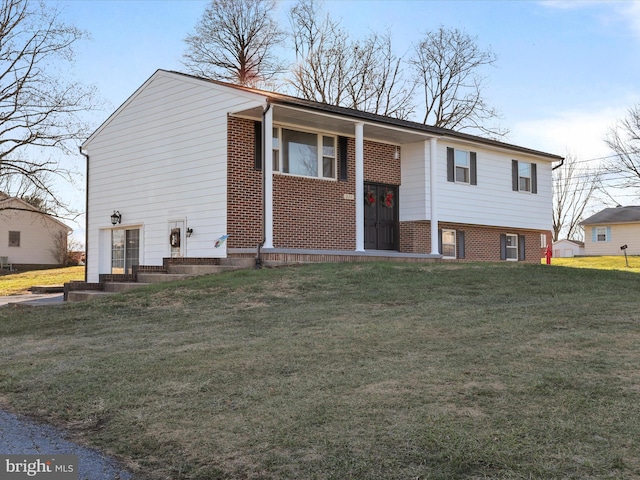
[[313, 213]]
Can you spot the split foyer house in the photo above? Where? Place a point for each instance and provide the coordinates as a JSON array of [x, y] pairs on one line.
[[608, 230], [29, 238], [185, 161]]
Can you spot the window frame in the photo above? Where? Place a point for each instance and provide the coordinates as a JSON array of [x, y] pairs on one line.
[[465, 168], [321, 154], [446, 231], [12, 241], [605, 234], [512, 248]]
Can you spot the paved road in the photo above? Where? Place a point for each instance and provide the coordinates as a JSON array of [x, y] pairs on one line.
[[20, 436]]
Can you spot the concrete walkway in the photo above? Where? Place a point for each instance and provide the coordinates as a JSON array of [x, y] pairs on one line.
[[32, 299]]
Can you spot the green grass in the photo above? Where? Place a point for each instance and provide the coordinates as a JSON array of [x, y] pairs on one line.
[[18, 283], [617, 262], [359, 371]]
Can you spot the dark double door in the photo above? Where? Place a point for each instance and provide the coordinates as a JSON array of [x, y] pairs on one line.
[[380, 217]]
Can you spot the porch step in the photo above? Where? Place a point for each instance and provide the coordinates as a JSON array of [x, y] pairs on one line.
[[84, 295], [162, 277], [118, 287], [194, 270]]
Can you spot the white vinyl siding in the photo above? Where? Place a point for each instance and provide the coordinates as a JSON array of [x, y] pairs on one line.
[[617, 235], [493, 202], [166, 147]]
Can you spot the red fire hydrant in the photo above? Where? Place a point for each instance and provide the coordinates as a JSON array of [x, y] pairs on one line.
[[548, 254]]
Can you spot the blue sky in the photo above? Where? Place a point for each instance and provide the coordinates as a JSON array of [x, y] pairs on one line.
[[566, 69]]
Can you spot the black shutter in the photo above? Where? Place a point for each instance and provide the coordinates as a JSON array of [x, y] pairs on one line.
[[473, 168], [257, 139], [342, 158], [503, 246], [440, 241], [460, 241], [521, 248], [451, 171], [534, 178], [514, 175]]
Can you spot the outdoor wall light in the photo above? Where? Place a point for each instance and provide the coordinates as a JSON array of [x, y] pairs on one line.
[[396, 154], [116, 217], [189, 232]]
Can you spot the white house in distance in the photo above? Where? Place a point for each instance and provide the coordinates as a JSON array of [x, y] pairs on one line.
[[608, 230], [568, 248], [28, 237], [182, 163]]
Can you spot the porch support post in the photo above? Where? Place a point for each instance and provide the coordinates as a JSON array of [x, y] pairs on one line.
[[267, 165], [359, 187], [433, 188]]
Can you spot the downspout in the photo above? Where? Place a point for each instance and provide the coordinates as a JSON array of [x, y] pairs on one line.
[[558, 166], [86, 216], [264, 178]]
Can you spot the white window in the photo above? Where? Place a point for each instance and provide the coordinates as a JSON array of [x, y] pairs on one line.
[[543, 240], [524, 176], [462, 166], [304, 153], [448, 243], [601, 234], [512, 247]]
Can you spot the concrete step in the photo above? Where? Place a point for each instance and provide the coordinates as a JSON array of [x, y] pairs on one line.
[[118, 287], [161, 277], [194, 270], [239, 262], [84, 295]]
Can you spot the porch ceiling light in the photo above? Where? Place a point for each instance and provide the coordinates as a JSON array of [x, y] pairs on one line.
[[116, 217]]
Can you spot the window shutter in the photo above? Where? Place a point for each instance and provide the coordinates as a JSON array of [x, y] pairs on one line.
[[460, 241], [514, 175], [594, 235], [503, 246], [342, 158], [608, 234], [451, 171], [521, 248], [440, 241], [257, 139], [472, 167], [534, 178]]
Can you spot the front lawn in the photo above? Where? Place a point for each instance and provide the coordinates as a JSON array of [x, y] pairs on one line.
[[358, 371], [17, 283]]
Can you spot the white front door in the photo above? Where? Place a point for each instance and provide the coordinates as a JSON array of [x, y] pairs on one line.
[[176, 238]]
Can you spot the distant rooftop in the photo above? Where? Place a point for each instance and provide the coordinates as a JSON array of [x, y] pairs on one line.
[[630, 214]]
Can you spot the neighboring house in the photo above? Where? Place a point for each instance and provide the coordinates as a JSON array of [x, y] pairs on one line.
[[181, 163], [608, 230], [568, 248], [30, 238]]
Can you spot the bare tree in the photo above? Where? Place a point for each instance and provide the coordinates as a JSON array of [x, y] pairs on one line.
[[573, 188], [39, 108], [331, 68], [624, 140], [448, 66], [234, 42]]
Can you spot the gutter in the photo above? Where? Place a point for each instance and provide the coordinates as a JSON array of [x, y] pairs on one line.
[[86, 216], [264, 206]]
